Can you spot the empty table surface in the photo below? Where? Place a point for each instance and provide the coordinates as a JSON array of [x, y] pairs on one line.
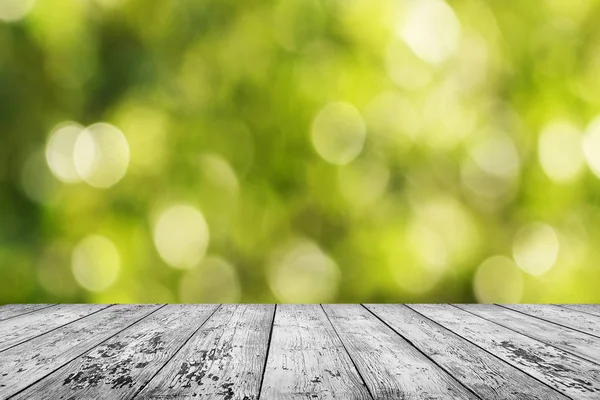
[[311, 351]]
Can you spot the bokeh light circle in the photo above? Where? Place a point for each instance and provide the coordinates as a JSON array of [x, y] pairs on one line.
[[181, 236], [428, 246], [214, 280], [60, 150], [405, 68], [591, 146], [101, 155], [338, 133], [301, 273], [496, 155], [14, 10], [96, 263], [535, 248], [218, 170], [560, 151], [395, 117], [498, 280], [431, 30]]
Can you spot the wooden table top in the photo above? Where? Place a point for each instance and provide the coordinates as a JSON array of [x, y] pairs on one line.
[[266, 351]]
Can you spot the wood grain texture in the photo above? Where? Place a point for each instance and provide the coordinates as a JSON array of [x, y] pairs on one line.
[[575, 342], [252, 352], [575, 377], [122, 365], [29, 362], [307, 360], [581, 321], [12, 310], [391, 367], [593, 309], [225, 359], [24, 327], [484, 374]]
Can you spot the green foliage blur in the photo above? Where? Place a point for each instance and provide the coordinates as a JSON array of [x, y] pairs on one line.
[[300, 151]]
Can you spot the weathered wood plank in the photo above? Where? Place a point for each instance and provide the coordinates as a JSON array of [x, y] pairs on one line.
[[223, 360], [85, 351], [575, 377], [570, 318], [22, 328], [484, 374], [574, 342], [307, 360], [391, 367], [13, 310], [122, 365], [22, 365], [593, 309]]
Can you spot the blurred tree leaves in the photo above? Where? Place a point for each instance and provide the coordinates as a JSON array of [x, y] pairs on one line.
[[217, 100]]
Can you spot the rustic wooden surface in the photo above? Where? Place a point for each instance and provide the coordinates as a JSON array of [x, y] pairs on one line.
[[266, 351]]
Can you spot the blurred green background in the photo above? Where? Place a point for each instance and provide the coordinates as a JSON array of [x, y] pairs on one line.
[[299, 151]]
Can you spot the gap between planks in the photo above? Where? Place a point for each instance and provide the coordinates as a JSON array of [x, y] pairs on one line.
[[47, 347], [481, 371], [579, 344], [572, 376], [9, 311], [352, 355]]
